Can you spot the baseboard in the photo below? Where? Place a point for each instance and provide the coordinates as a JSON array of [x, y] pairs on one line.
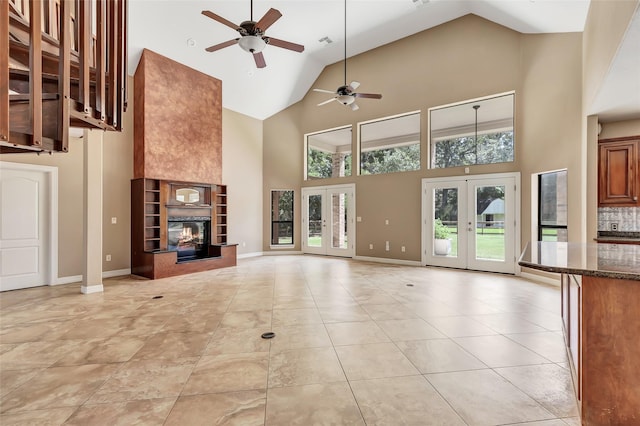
[[247, 255], [97, 288], [105, 274], [540, 279], [68, 280], [116, 273], [386, 260], [279, 253]]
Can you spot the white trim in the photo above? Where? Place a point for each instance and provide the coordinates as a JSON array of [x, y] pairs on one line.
[[99, 288], [483, 98], [280, 253], [246, 255], [116, 273], [52, 177], [281, 247], [68, 280], [541, 279], [388, 260]]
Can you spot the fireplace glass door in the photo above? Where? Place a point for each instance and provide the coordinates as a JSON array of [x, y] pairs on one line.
[[188, 238]]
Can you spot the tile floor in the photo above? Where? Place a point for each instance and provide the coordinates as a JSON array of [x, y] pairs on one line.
[[354, 345]]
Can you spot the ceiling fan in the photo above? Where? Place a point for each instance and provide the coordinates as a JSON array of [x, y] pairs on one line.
[[252, 38], [346, 93]]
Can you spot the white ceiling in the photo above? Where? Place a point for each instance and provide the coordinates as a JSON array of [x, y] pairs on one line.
[[178, 30]]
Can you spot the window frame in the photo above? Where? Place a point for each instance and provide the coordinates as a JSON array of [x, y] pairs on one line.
[[431, 143], [274, 222], [357, 158], [305, 153], [540, 226]]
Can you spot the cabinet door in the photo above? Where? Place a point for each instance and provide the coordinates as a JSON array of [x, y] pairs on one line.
[[618, 173], [575, 319]]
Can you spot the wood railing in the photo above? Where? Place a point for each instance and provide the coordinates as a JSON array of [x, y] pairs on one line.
[[60, 68]]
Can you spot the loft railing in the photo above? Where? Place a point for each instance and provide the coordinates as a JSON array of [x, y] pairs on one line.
[[62, 64]]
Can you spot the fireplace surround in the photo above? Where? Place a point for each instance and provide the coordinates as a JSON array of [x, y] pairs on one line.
[[178, 228]]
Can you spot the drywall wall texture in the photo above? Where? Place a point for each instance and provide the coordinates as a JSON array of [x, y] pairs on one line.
[[242, 173], [463, 59]]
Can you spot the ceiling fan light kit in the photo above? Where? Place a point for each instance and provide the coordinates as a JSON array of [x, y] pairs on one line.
[[252, 44], [252, 38]]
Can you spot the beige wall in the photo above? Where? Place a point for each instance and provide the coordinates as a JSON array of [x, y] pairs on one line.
[[242, 173], [463, 59]]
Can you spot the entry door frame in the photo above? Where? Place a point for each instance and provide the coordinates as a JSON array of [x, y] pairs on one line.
[[51, 222], [326, 192], [460, 181]]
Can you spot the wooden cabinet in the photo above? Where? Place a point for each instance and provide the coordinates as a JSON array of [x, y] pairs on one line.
[[601, 328], [619, 172]]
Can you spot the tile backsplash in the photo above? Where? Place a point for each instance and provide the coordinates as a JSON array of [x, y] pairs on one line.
[[627, 218]]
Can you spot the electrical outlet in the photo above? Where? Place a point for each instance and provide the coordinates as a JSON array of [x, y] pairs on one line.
[[402, 249], [386, 245], [614, 226], [108, 258], [386, 221], [370, 246], [114, 220]]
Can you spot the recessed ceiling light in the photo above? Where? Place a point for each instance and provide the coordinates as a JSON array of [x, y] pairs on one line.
[[191, 42], [420, 3], [326, 40]]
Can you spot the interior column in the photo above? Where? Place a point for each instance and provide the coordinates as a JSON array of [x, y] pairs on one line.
[[92, 206]]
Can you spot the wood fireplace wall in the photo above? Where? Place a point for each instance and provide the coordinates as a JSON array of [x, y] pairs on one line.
[[177, 141]]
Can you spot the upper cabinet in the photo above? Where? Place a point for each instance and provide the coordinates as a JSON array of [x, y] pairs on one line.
[[619, 172]]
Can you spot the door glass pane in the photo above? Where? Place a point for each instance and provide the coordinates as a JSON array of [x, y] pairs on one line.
[[445, 222], [314, 238], [490, 240], [339, 221]]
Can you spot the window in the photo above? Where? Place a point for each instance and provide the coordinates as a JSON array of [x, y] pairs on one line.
[[281, 217], [474, 132], [390, 145], [329, 154], [552, 206]]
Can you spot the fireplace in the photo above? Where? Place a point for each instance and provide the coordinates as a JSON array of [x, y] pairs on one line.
[[189, 236]]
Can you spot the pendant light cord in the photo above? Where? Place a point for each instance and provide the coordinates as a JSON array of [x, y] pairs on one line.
[[345, 42], [251, 12]]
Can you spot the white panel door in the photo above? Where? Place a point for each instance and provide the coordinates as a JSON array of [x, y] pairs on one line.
[[24, 242], [327, 220]]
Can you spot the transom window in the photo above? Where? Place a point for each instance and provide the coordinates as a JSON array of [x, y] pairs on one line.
[[390, 144], [329, 154], [473, 132]]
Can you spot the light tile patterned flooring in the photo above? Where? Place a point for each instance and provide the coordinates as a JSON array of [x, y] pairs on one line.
[[354, 345]]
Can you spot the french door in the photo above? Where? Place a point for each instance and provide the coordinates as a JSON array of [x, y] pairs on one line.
[[327, 220], [472, 222]]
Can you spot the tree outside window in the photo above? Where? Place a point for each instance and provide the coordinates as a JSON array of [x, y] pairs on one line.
[[282, 217]]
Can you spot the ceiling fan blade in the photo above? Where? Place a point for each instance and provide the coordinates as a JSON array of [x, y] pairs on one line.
[[286, 44], [259, 58], [221, 20], [221, 45], [268, 19], [327, 101], [354, 85], [354, 107], [368, 95], [324, 91]]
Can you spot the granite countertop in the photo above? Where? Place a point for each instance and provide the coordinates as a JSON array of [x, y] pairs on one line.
[[618, 236], [621, 261]]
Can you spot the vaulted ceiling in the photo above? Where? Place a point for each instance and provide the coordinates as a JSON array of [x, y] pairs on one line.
[[178, 30]]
